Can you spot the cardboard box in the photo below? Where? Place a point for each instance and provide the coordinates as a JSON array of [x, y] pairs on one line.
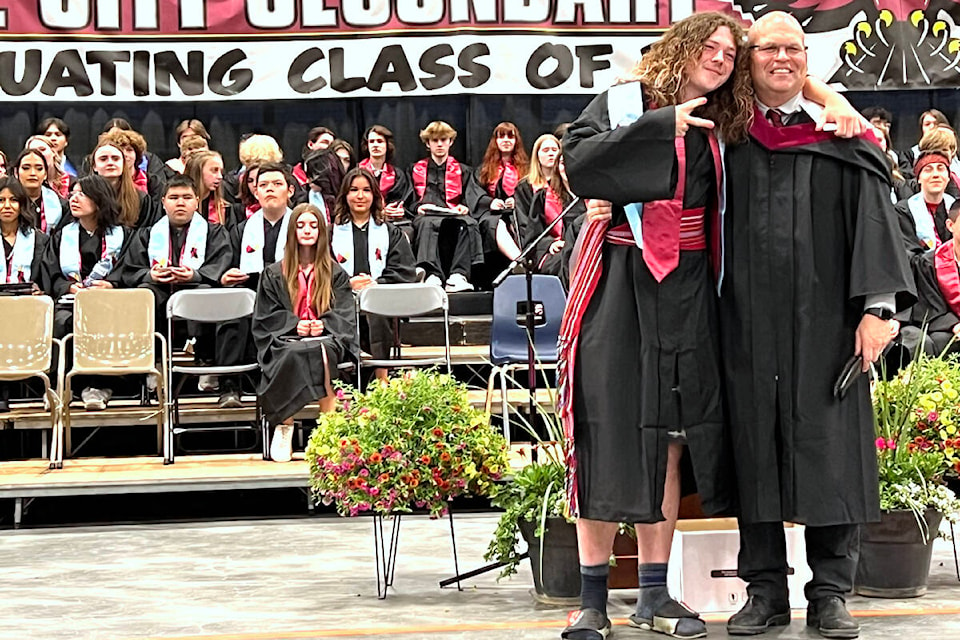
[[703, 565]]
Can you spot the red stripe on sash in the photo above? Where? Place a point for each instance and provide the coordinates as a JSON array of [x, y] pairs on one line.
[[948, 277]]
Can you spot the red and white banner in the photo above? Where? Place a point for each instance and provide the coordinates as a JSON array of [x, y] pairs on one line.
[[68, 50]]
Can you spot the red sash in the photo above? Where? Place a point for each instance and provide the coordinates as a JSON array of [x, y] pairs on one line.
[[64, 188], [507, 173], [307, 280], [252, 209], [42, 215], [300, 174], [552, 208], [140, 180], [947, 276], [213, 211], [453, 185], [387, 176]]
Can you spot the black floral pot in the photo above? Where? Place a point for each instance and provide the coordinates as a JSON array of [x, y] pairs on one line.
[[559, 582], [894, 560]]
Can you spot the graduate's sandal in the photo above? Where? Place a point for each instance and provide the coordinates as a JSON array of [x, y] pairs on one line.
[[673, 619], [586, 624]]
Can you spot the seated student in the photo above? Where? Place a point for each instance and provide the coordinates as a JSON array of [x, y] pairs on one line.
[[305, 295], [181, 250], [923, 217], [21, 251], [57, 180], [440, 182], [344, 151], [83, 255], [48, 210], [58, 133], [318, 138], [543, 168], [137, 209], [247, 204], [491, 195], [187, 130], [943, 140], [937, 277], [929, 120], [206, 170], [149, 162], [371, 251], [395, 186], [134, 146], [549, 203]]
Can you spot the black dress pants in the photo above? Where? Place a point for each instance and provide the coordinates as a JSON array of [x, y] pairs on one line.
[[832, 553]]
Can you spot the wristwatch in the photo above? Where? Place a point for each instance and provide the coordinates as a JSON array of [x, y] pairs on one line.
[[883, 313]]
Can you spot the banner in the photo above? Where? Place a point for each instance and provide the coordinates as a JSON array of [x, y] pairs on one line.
[[203, 50]]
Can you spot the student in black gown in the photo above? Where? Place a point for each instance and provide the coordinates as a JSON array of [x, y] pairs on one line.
[[84, 254], [441, 181], [108, 161], [813, 271], [180, 251], [371, 251], [205, 168], [491, 193], [394, 184], [923, 216], [48, 210], [304, 324], [22, 250], [937, 311]]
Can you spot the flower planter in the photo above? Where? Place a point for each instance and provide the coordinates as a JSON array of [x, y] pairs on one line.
[[894, 561], [560, 582]]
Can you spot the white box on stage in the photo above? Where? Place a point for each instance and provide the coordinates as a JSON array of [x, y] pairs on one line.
[[703, 565]]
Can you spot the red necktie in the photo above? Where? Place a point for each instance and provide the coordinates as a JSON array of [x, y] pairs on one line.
[[775, 117]]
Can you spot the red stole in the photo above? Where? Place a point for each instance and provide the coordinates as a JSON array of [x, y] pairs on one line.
[[213, 211], [307, 281], [300, 174], [552, 208], [140, 180], [387, 177], [252, 209], [507, 173], [452, 182], [948, 277], [64, 187]]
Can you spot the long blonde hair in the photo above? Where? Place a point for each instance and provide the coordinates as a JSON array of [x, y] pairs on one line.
[[193, 169], [128, 197], [322, 292]]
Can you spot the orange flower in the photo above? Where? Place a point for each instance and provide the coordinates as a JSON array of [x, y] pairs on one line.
[[425, 459], [445, 456], [375, 458], [383, 477], [438, 432]]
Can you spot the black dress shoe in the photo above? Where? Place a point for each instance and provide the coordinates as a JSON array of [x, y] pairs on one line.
[[830, 617], [758, 615]]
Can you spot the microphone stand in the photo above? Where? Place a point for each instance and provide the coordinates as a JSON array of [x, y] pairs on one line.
[[526, 259]]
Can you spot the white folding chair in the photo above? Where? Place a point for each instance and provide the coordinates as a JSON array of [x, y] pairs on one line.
[[205, 306], [405, 301]]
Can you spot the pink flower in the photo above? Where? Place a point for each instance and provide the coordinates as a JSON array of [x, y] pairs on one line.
[[881, 444], [932, 416], [340, 394], [891, 444]]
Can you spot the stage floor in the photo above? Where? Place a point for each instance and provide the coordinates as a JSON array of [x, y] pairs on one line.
[[314, 578]]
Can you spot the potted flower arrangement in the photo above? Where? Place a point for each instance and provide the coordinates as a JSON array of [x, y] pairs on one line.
[[414, 442], [918, 445]]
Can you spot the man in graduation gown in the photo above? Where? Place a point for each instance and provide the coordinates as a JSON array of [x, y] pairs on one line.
[[813, 270], [923, 216], [257, 243], [936, 316], [181, 250], [442, 224]]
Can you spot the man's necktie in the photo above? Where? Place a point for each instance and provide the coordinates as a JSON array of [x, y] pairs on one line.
[[775, 116]]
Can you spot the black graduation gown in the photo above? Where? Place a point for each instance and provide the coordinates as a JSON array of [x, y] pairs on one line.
[[930, 312], [908, 228], [65, 217], [536, 221], [135, 267], [399, 267], [647, 353], [40, 242], [809, 232], [292, 370], [478, 199]]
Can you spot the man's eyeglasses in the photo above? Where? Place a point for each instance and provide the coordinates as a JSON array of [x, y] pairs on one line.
[[771, 50]]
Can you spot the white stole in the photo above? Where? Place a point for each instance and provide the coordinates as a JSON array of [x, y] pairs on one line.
[[21, 258], [923, 221], [378, 244], [251, 244], [316, 199], [70, 251], [52, 208], [194, 245]]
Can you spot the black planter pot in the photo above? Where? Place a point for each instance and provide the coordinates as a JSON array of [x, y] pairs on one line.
[[560, 581], [894, 561]]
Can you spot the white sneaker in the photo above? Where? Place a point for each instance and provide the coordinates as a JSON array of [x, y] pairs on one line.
[[458, 282], [208, 383], [189, 345], [432, 279], [281, 446], [95, 399]]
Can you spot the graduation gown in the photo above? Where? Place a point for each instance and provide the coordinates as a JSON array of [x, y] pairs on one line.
[[135, 266], [535, 221], [40, 242], [377, 336], [292, 370], [643, 361], [478, 199], [908, 227], [809, 232], [56, 284], [932, 310]]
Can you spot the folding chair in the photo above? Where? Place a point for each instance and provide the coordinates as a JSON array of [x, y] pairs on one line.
[[213, 306], [404, 301], [508, 334], [113, 335], [26, 350]]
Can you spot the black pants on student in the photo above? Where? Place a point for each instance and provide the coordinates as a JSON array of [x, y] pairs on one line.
[[832, 553]]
